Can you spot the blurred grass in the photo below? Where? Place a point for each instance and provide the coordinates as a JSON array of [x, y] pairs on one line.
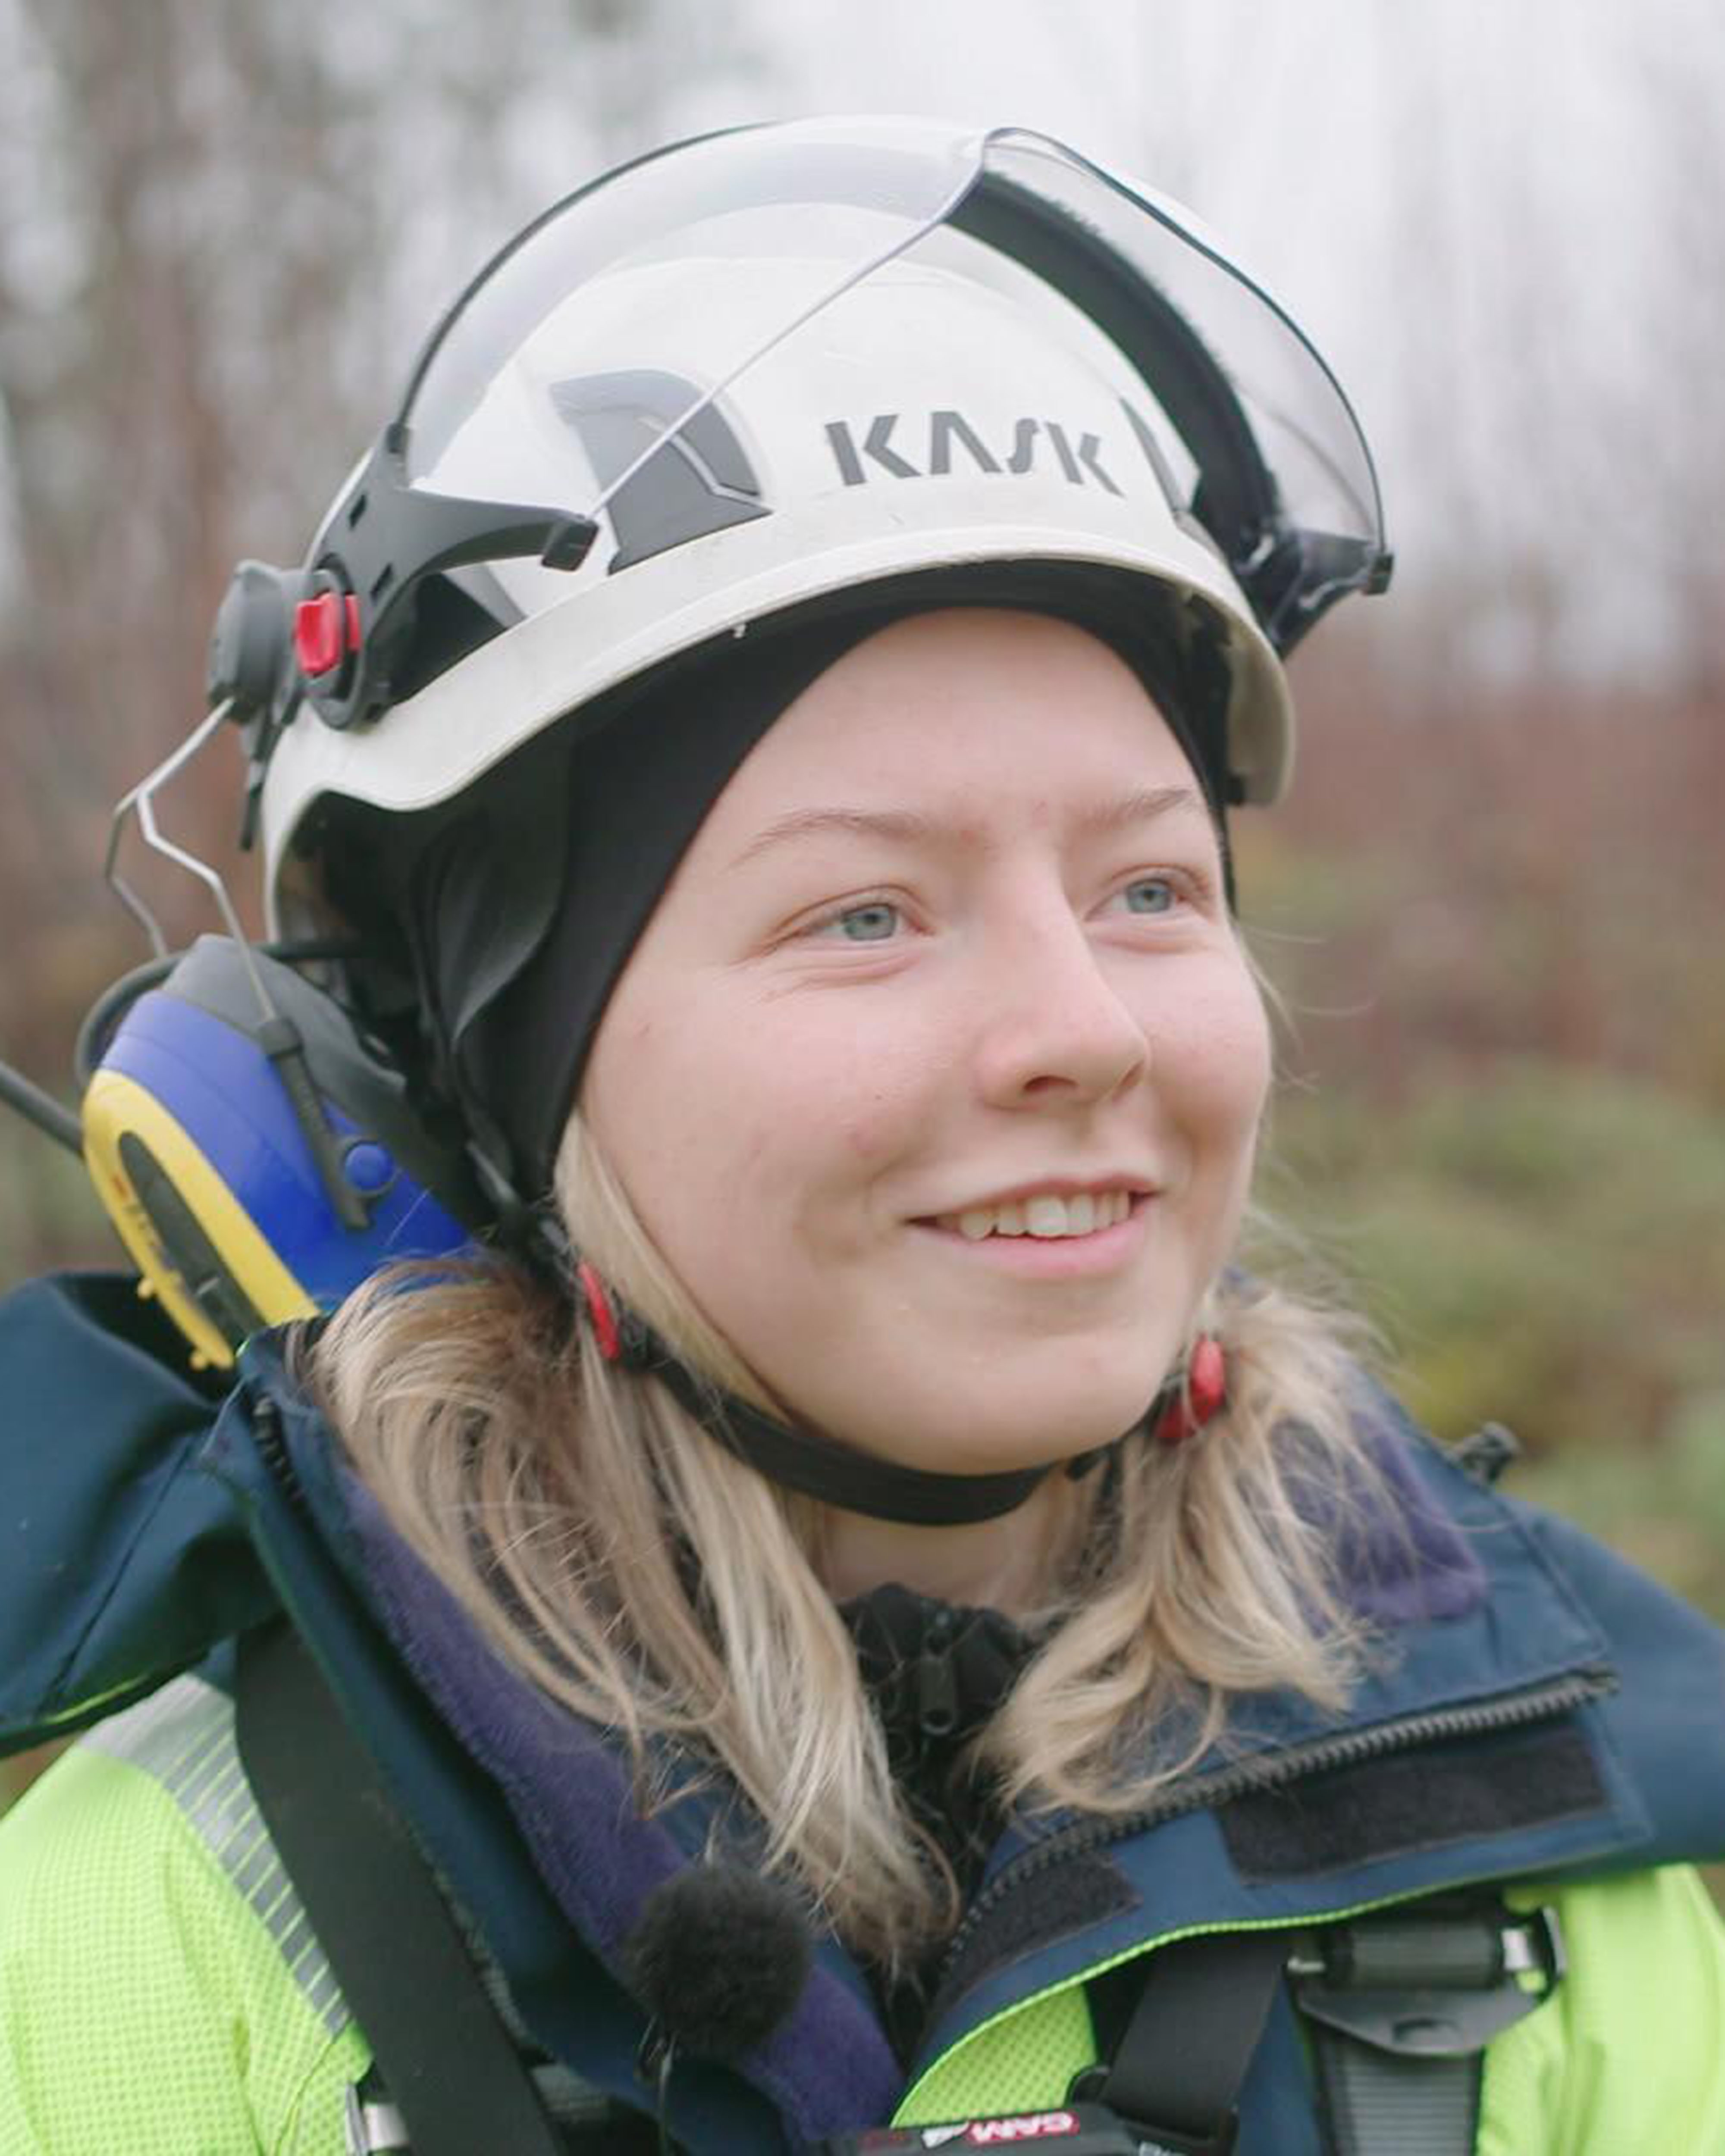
[[1524, 1190], [1543, 1248]]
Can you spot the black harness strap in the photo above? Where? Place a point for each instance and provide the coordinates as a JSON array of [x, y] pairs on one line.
[[1176, 2070], [1401, 2006], [452, 2071], [1381, 2100]]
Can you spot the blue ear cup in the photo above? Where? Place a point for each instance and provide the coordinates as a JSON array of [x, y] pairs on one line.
[[258, 1165]]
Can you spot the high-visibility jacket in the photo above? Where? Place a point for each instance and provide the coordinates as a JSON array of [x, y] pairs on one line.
[[1548, 1721]]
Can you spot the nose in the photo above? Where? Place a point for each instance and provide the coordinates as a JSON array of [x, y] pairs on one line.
[[1053, 1029]]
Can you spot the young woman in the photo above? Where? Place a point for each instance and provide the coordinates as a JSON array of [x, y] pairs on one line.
[[868, 1612]]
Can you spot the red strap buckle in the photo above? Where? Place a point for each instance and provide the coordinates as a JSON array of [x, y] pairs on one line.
[[600, 1314], [1200, 1398]]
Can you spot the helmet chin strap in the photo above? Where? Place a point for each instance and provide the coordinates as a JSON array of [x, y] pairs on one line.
[[816, 1466]]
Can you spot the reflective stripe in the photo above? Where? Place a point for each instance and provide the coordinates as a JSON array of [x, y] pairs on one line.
[[182, 1737]]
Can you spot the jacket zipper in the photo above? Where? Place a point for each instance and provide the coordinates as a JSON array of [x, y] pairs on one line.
[[271, 1442], [1537, 1703]]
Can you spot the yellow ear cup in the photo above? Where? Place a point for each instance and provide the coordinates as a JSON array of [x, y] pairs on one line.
[[125, 1126]]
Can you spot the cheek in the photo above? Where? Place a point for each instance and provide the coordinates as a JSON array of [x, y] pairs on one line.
[[868, 1115], [791, 1111], [645, 1070], [1224, 1067], [832, 1122]]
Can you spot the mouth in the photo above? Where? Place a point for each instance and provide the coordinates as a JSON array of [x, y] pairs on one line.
[[1046, 1235]]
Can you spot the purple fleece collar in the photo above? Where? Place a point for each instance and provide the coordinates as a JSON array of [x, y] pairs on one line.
[[828, 2065], [1408, 1563]]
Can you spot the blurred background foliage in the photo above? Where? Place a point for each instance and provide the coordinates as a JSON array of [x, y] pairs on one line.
[[1493, 917], [1492, 906]]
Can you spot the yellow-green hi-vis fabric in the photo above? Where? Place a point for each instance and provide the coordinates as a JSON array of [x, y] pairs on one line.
[[160, 1993]]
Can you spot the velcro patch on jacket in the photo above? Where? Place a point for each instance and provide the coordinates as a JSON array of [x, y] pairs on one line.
[[1042, 1908], [1418, 1800]]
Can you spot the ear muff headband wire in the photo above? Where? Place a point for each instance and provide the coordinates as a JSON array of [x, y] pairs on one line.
[[277, 1035]]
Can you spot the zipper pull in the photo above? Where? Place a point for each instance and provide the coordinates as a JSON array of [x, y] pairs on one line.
[[936, 1688]]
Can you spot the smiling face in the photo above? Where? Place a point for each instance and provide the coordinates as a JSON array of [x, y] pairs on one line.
[[936, 1073]]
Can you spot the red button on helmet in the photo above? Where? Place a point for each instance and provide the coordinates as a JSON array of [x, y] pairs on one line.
[[326, 629]]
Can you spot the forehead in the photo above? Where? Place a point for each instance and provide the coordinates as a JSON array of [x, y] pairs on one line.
[[979, 703]]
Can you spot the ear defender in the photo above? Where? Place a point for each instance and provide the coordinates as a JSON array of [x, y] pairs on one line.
[[259, 1157]]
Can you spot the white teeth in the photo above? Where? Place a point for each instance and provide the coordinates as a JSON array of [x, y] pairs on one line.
[[1047, 1216]]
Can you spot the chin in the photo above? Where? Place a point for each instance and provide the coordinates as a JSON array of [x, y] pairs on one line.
[[998, 1436]]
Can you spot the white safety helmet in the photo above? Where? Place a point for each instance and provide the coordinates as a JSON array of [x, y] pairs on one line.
[[771, 366]]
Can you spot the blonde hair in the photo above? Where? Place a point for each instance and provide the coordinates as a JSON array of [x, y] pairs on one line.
[[633, 1569]]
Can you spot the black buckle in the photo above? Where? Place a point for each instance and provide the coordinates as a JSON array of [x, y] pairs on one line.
[[1429, 1985]]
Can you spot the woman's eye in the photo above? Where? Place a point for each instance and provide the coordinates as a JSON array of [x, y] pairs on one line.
[[875, 922], [1153, 894]]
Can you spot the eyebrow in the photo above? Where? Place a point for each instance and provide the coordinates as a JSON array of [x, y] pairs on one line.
[[907, 827]]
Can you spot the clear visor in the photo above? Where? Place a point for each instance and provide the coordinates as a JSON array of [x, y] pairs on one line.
[[1278, 468]]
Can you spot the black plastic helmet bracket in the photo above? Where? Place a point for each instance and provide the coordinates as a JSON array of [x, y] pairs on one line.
[[383, 540], [387, 536]]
